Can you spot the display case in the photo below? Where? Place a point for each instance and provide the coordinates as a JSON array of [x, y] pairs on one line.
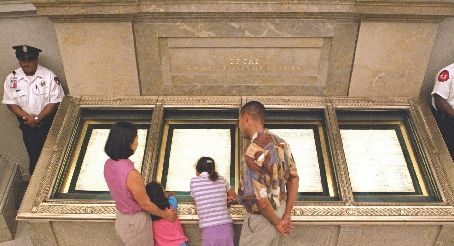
[[305, 131], [384, 158], [358, 159], [187, 135]]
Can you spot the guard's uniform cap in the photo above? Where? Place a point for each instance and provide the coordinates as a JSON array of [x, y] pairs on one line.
[[26, 52]]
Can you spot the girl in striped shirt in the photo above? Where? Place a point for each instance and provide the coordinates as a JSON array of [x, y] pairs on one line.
[[212, 194]]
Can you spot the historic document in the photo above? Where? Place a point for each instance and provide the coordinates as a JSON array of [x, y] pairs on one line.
[[91, 176], [188, 145], [375, 161], [302, 143]]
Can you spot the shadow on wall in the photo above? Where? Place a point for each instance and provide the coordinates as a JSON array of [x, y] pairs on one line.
[[442, 55], [19, 24]]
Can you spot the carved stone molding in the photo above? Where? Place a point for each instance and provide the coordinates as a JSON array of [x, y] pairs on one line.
[[198, 101], [412, 9]]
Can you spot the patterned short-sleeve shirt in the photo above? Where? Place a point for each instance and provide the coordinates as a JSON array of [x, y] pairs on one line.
[[266, 166]]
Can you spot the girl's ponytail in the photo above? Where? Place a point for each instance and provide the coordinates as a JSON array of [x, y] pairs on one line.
[[213, 175], [206, 164]]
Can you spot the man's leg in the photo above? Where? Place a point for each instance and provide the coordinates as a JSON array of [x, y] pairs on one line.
[[34, 139], [257, 230]]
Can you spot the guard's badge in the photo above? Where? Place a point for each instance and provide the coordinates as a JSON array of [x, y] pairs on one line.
[[443, 76], [43, 83], [24, 49], [57, 80]]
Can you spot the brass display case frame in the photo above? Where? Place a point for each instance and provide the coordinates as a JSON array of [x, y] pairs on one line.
[[329, 190], [166, 126], [79, 151], [414, 162], [38, 204]]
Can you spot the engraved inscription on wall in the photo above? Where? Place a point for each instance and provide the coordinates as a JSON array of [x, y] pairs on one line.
[[244, 61]]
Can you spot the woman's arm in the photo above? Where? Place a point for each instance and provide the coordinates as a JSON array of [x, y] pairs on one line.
[[135, 185]]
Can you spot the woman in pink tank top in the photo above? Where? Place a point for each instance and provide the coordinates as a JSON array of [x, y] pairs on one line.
[[133, 224]]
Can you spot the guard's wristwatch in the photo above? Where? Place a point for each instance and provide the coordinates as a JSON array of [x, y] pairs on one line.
[[37, 119]]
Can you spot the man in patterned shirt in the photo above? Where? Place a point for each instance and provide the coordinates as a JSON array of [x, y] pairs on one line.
[[268, 180]]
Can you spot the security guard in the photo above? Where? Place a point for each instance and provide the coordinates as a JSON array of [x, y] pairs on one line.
[[33, 93], [443, 105]]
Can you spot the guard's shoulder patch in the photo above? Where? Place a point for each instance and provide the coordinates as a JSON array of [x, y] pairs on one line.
[[443, 76], [57, 80]]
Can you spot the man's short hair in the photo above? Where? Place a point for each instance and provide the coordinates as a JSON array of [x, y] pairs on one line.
[[255, 109]]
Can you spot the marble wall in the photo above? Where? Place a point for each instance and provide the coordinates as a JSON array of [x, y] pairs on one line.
[[308, 234], [99, 58], [356, 48], [245, 57], [442, 55], [391, 58]]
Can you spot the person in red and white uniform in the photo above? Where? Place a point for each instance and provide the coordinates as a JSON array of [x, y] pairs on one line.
[[33, 93], [443, 105]]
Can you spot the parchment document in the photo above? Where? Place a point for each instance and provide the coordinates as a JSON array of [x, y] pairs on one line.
[[188, 145], [91, 176], [375, 161], [302, 142]]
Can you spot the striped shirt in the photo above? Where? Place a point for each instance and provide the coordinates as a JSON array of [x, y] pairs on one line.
[[211, 200]]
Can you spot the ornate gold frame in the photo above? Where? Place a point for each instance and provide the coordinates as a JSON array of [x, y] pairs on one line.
[[38, 204]]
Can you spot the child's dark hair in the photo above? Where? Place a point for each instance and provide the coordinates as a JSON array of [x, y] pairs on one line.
[[157, 196], [206, 164], [120, 139]]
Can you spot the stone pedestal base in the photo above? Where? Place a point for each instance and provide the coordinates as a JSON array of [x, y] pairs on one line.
[[10, 196]]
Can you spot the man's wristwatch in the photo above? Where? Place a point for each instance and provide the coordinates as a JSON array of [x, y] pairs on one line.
[[37, 119]]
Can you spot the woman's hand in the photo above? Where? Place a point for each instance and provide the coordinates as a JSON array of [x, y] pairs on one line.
[[170, 215], [135, 185]]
